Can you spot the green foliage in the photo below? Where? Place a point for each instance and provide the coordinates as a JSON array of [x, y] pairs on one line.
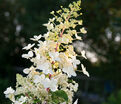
[[114, 98], [59, 96], [18, 96], [36, 101]]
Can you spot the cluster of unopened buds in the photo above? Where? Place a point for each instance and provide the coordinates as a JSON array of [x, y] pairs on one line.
[[48, 80]]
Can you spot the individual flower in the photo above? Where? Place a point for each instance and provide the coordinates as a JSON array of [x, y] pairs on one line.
[[9, 93], [66, 38], [9, 90], [36, 38], [28, 70], [46, 67], [52, 12], [78, 37], [21, 100], [84, 70], [46, 35], [69, 70], [54, 56], [74, 61], [52, 20], [50, 83], [36, 50], [75, 87], [39, 78], [83, 30], [49, 26], [29, 46], [29, 55], [38, 56], [80, 22], [83, 54], [42, 46]]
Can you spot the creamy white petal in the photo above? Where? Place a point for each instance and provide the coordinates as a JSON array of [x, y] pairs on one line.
[[69, 71], [84, 70], [26, 70], [83, 30], [76, 101], [46, 35], [36, 38], [74, 61], [83, 54], [54, 56], [29, 46], [38, 56], [50, 83], [78, 37], [30, 54], [49, 26], [22, 99], [39, 78], [9, 90], [46, 67]]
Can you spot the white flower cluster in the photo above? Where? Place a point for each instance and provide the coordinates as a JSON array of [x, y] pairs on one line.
[[54, 62]]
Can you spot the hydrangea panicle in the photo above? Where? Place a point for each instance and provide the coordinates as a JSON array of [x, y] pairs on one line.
[[48, 80]]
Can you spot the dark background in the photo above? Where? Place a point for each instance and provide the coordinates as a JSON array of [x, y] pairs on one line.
[[21, 19]]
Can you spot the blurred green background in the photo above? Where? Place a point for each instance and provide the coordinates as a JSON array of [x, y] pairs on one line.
[[21, 19]]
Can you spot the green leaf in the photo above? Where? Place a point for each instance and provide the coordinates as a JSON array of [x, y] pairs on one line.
[[36, 101], [59, 96], [70, 81], [18, 96]]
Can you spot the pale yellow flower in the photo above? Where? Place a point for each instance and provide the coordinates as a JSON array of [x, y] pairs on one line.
[[83, 30], [84, 70]]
